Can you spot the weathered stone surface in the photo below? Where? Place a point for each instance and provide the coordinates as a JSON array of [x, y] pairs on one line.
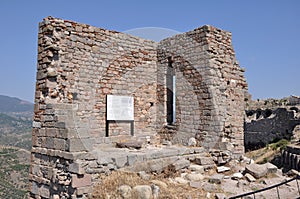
[[249, 177], [196, 184], [196, 168], [181, 163], [83, 190], [36, 124], [75, 167], [130, 144], [237, 176], [125, 192], [271, 168], [194, 177], [222, 169], [204, 161], [120, 161], [216, 178], [155, 191], [142, 192], [220, 196], [75, 144], [256, 170], [209, 187], [81, 180]]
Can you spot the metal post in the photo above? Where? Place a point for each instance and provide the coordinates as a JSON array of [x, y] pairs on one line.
[[298, 186], [278, 193]]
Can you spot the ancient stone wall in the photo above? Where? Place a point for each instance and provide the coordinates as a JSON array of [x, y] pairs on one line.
[[210, 87], [79, 65], [264, 126]]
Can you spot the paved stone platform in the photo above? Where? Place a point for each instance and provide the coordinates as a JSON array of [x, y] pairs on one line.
[[149, 158]]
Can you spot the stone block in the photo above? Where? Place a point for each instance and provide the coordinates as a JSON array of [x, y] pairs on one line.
[[194, 177], [204, 160], [60, 125], [157, 166], [220, 196], [216, 178], [209, 187], [75, 144], [197, 168], [256, 170], [237, 176], [271, 168], [181, 163], [131, 159], [49, 144], [44, 191], [51, 132], [142, 192], [34, 188], [196, 184], [81, 180], [125, 192], [120, 161], [222, 169], [76, 168], [104, 160], [36, 169], [36, 124], [47, 118], [83, 190], [59, 144], [249, 177]]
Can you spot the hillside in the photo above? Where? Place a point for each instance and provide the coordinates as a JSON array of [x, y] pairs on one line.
[[14, 169], [15, 122], [15, 145]]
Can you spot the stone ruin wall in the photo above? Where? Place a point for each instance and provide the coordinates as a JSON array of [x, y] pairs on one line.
[[210, 87], [271, 120], [78, 65]]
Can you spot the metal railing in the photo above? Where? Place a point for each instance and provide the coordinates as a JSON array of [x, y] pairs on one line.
[[267, 188]]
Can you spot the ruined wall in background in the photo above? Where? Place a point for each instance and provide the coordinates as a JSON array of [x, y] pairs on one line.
[[264, 126]]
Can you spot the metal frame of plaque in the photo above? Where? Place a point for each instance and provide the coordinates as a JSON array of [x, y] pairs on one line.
[[119, 109]]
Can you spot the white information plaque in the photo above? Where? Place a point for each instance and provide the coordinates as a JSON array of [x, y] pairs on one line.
[[120, 107]]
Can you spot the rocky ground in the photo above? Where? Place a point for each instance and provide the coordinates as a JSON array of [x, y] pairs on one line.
[[199, 179]]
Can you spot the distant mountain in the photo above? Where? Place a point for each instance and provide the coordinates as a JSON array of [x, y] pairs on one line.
[[13, 104]]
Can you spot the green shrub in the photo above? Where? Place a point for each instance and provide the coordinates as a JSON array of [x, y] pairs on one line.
[[281, 144]]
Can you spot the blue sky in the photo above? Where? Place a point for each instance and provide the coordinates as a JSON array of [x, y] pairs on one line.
[[265, 33]]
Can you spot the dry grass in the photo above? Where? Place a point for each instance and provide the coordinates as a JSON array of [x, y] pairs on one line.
[[267, 153], [108, 185]]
